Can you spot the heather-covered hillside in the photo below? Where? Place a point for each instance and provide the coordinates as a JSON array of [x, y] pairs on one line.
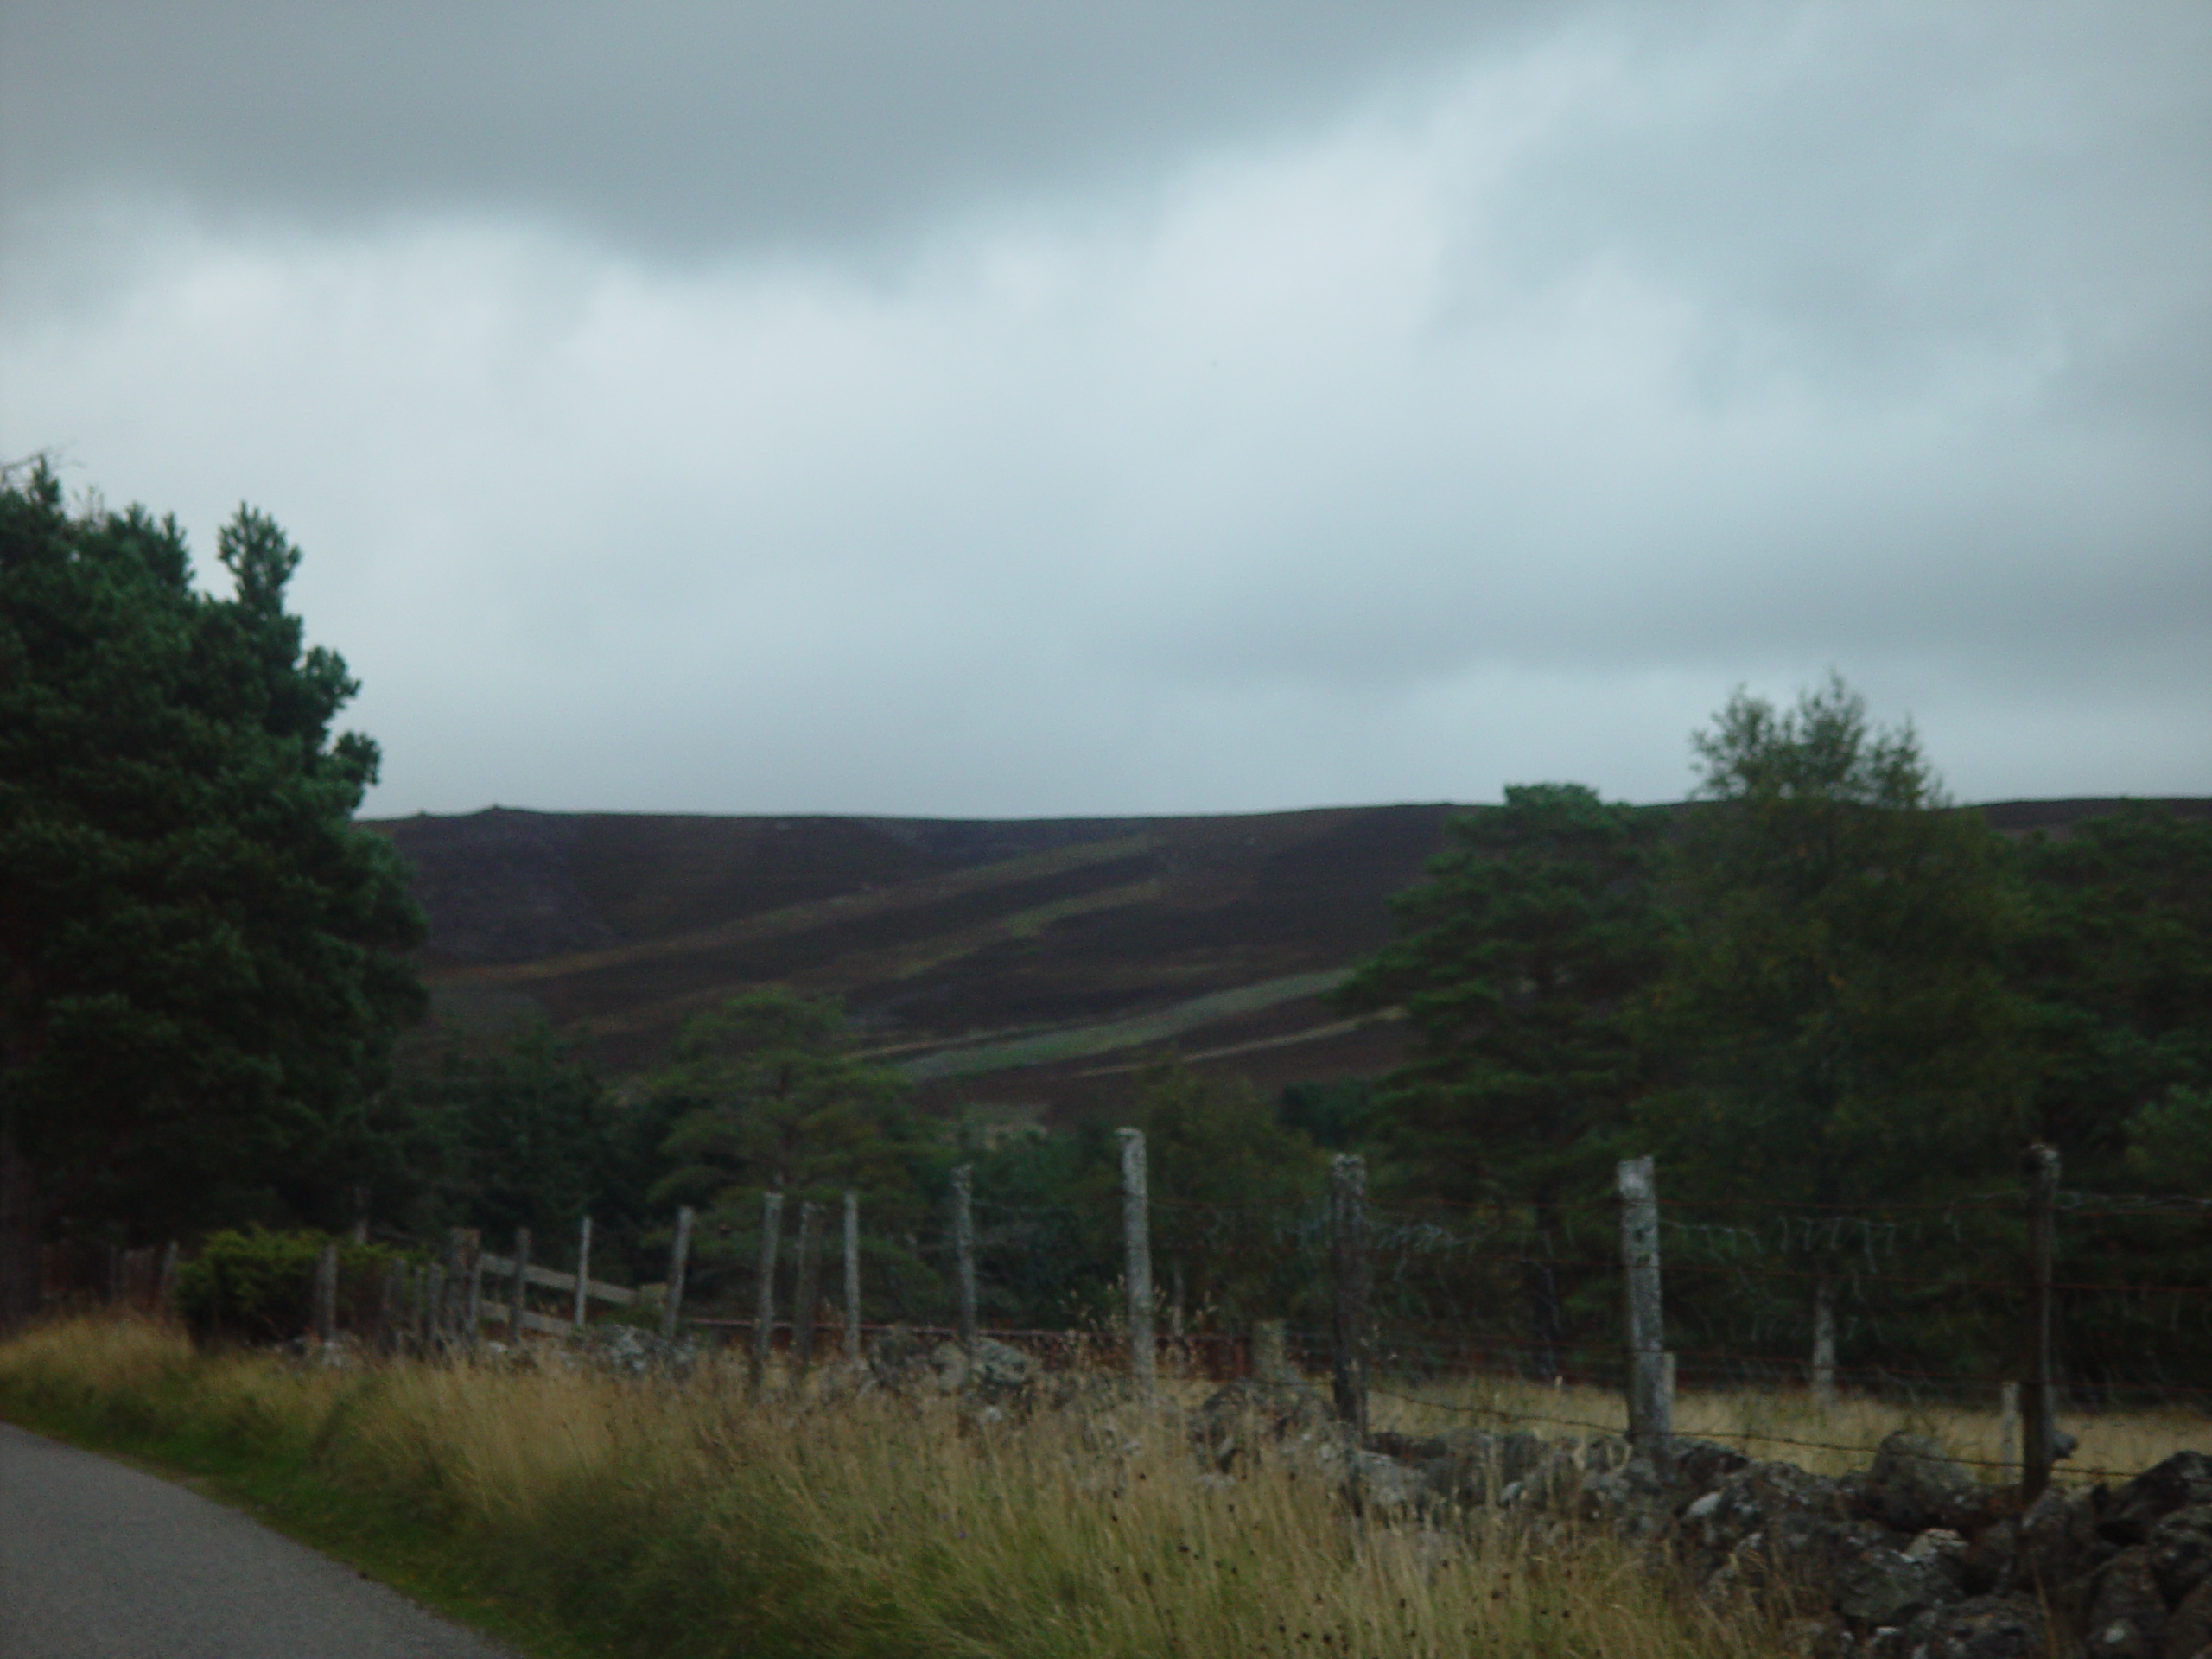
[[1021, 964]]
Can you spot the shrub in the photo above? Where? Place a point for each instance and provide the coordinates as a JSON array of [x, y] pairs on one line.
[[259, 1285]]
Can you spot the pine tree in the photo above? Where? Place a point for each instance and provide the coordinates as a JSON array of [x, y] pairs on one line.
[[201, 960]]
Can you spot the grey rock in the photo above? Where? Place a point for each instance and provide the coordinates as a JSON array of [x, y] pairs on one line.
[[1754, 1498], [1238, 1421], [996, 1373], [2189, 1627], [1820, 1635], [626, 1351], [2181, 1482], [2127, 1616], [1381, 1486], [2059, 1546], [1990, 1563], [2181, 1551], [1603, 1454], [1980, 1627], [1916, 1484], [1887, 1587], [1943, 1547], [1694, 1467], [899, 1360], [1471, 1466]]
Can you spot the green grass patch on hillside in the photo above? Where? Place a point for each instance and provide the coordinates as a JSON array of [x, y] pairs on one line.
[[1079, 1042]]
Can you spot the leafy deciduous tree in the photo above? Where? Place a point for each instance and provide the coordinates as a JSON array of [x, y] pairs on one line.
[[1835, 1012]]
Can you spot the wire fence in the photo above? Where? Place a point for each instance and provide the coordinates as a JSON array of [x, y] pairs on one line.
[[1455, 1309]]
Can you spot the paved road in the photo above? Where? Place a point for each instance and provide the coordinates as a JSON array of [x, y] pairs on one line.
[[98, 1561]]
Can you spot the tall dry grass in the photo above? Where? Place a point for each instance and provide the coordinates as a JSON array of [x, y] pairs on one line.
[[1791, 1426], [690, 1518]]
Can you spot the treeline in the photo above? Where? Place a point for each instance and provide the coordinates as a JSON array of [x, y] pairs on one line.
[[1818, 991]]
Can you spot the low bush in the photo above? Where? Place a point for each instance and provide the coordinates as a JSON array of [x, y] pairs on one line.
[[258, 1286]]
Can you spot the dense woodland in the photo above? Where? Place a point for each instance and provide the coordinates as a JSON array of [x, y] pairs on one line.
[[1819, 986]]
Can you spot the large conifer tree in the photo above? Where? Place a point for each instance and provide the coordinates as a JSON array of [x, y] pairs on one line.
[[201, 966]]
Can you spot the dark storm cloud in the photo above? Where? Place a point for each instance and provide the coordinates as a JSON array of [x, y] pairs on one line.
[[685, 127], [1125, 408]]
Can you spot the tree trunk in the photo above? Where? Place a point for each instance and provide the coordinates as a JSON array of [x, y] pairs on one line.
[[21, 1290]]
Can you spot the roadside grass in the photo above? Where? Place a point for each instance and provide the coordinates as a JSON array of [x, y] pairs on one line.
[[570, 1512]]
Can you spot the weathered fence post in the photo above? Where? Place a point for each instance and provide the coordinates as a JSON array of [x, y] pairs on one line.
[[583, 1273], [390, 1296], [1348, 1272], [1824, 1343], [434, 1307], [1179, 1355], [2040, 1167], [679, 1255], [964, 1253], [2008, 1432], [165, 1289], [325, 1314], [518, 1292], [852, 1277], [1650, 1367], [455, 1284], [1136, 1234], [1270, 1351], [809, 1291], [473, 1304], [763, 1318]]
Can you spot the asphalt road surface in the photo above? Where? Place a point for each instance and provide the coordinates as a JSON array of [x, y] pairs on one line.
[[98, 1561]]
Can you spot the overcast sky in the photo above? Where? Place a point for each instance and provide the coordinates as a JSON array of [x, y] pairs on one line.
[[977, 409]]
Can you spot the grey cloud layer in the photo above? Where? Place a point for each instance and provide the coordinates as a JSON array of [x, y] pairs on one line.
[[670, 126], [1430, 418]]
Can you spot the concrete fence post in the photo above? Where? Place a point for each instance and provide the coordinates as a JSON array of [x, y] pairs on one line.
[[518, 1287], [472, 1309], [1270, 1351], [165, 1290], [1348, 1275], [325, 1313], [1650, 1367], [808, 1294], [679, 1257], [582, 1313], [852, 1277], [1136, 1234], [2039, 1430], [964, 1252], [763, 1318]]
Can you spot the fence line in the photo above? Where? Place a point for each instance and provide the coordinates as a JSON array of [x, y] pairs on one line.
[[2058, 1298]]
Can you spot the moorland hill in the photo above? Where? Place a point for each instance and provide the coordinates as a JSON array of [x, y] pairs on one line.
[[1015, 964]]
